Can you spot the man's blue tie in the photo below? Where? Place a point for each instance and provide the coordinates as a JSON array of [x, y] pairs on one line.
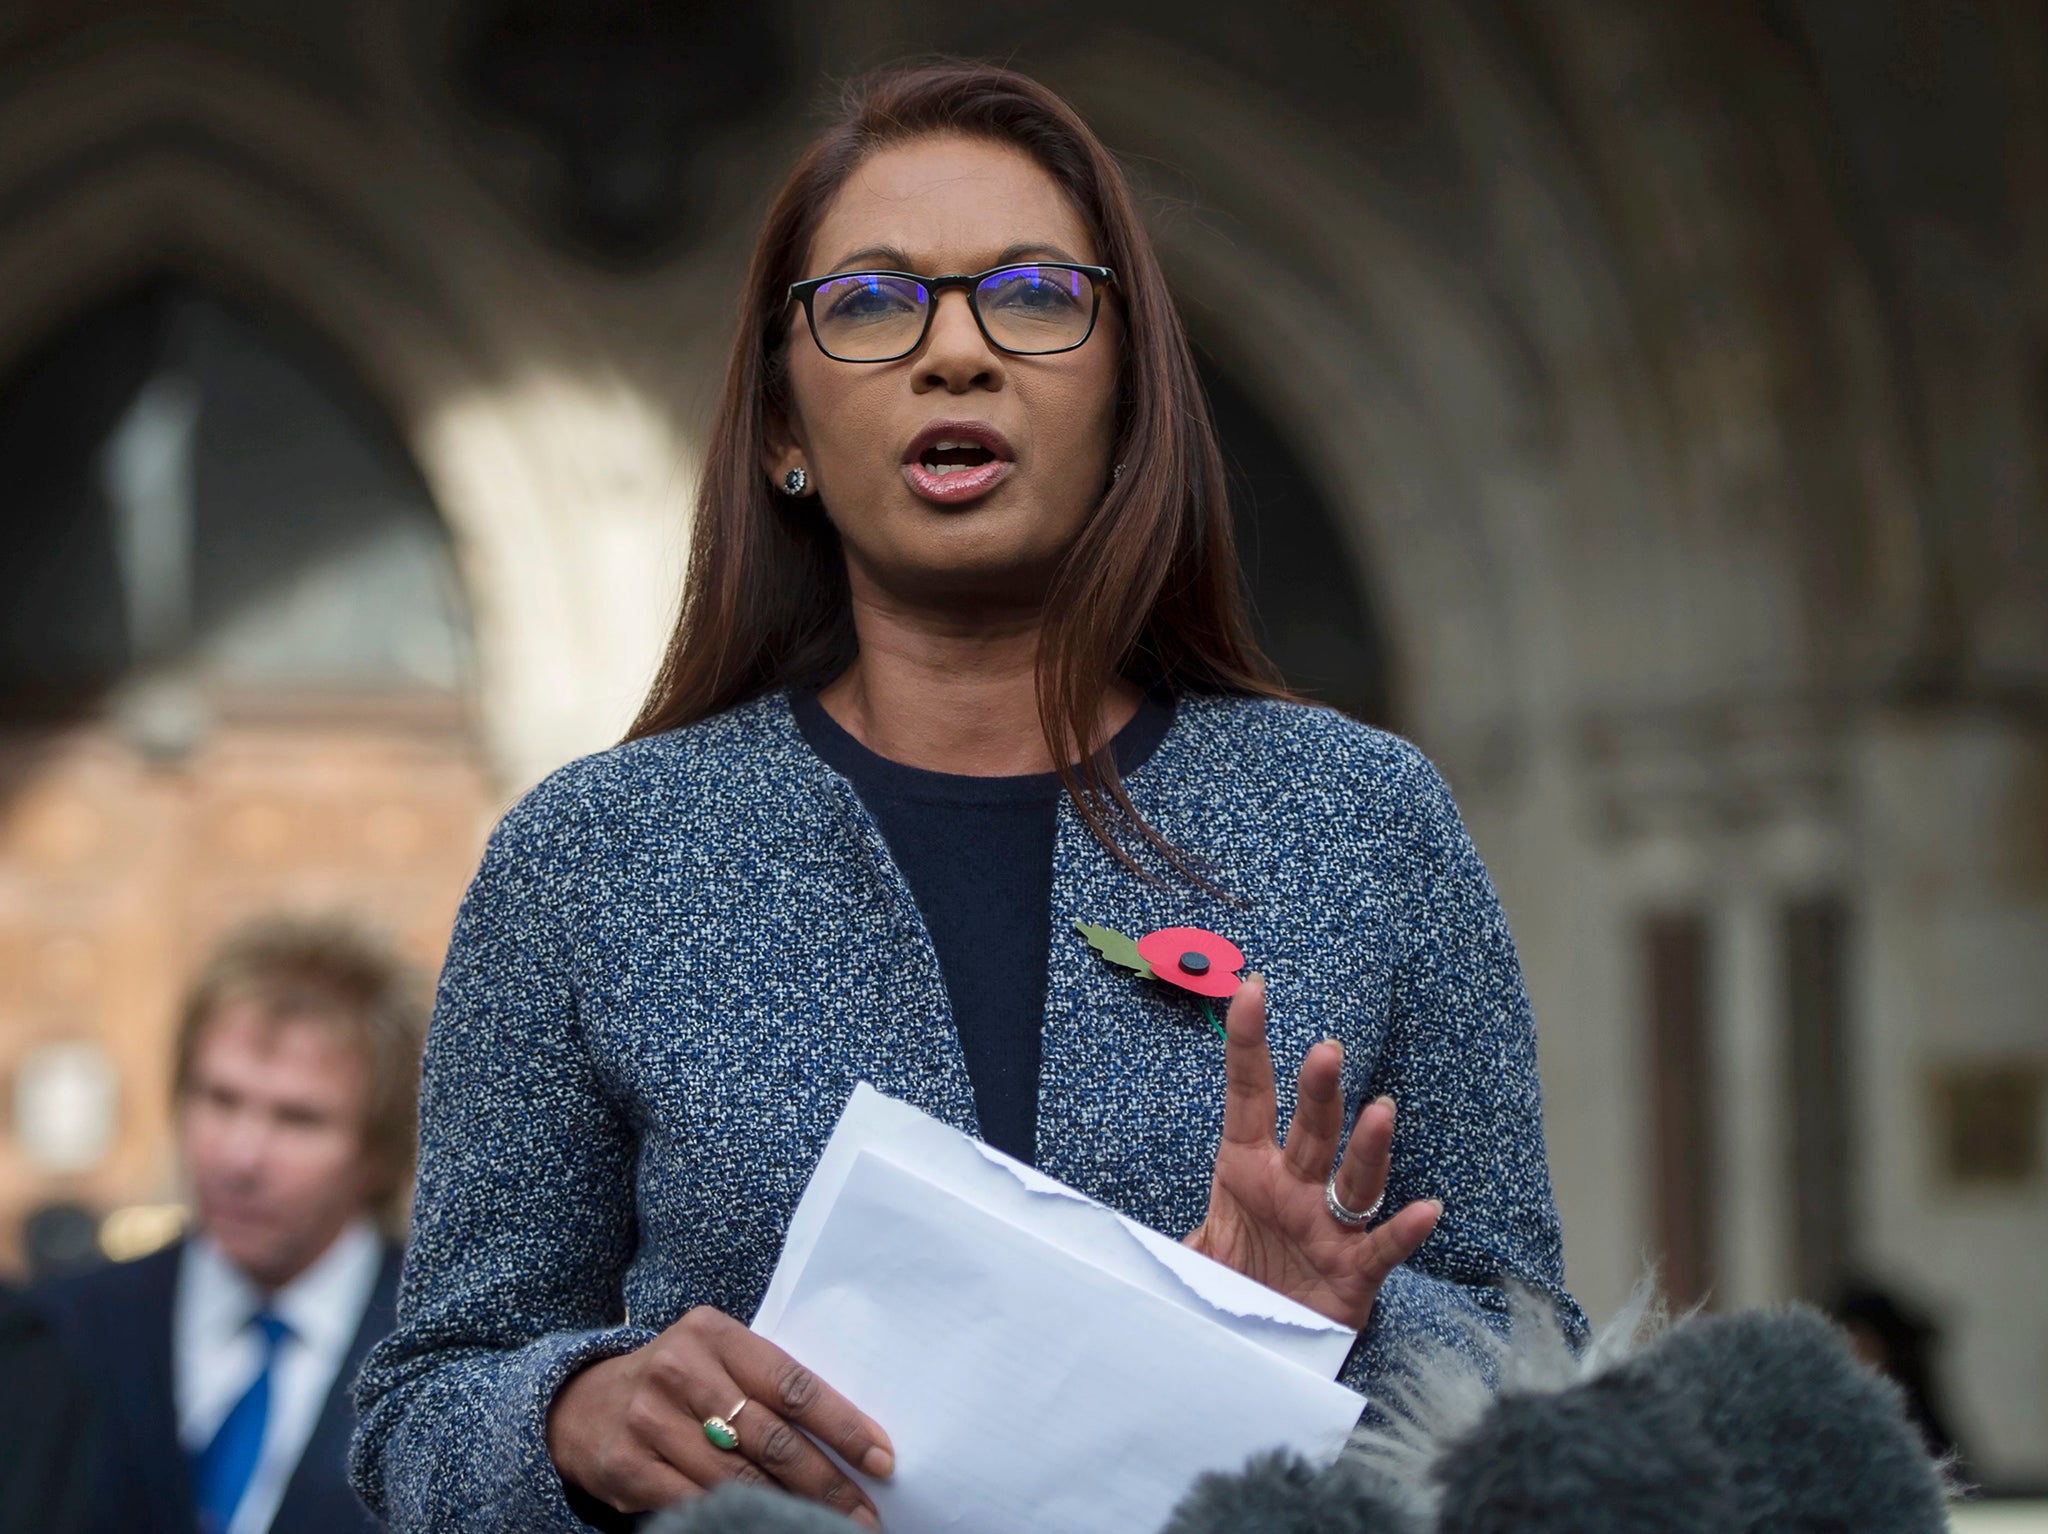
[[221, 1470]]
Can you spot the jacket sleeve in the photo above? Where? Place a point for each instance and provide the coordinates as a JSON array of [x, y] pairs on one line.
[[1460, 1065], [523, 1218]]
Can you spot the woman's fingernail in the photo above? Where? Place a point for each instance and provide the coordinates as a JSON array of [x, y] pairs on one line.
[[1439, 1206], [1383, 1098], [878, 1462]]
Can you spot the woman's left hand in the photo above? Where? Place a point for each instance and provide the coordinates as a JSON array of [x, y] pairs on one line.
[[1267, 1215]]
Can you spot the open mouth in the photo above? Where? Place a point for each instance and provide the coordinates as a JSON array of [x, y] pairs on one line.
[[943, 458], [953, 462]]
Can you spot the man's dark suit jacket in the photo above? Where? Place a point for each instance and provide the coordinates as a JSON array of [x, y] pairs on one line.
[[47, 1446], [116, 1323]]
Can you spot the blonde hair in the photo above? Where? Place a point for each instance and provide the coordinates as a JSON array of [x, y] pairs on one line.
[[330, 970]]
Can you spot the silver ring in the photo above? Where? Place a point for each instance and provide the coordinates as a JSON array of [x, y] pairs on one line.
[[1345, 1216]]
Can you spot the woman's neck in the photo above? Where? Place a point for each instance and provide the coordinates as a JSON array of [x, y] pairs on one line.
[[952, 696]]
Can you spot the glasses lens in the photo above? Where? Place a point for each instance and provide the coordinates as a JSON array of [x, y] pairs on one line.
[[1037, 308], [869, 316]]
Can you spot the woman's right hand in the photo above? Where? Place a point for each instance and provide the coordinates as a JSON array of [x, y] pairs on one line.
[[630, 1430]]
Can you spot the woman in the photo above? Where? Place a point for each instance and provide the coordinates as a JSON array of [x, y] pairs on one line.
[[961, 661]]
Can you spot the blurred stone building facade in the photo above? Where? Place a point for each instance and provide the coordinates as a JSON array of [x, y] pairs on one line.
[[1645, 408]]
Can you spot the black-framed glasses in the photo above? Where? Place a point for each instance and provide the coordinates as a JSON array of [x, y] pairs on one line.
[[1034, 308]]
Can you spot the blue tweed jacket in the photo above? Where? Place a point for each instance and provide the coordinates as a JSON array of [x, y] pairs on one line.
[[679, 956]]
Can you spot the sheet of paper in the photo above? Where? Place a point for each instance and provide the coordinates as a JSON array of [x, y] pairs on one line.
[[1025, 1387], [1078, 1225]]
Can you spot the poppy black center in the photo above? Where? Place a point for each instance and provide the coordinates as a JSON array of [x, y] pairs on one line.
[[1194, 963]]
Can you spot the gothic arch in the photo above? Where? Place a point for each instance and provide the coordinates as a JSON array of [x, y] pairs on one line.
[[1438, 432], [553, 476], [1565, 500]]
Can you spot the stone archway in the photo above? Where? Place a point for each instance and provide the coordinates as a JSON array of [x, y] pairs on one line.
[[1554, 418], [232, 682], [559, 480], [557, 483]]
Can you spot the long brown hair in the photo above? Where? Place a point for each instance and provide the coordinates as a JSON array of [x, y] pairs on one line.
[[1150, 590]]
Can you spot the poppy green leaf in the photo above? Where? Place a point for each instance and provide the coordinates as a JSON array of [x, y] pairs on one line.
[[1115, 947]]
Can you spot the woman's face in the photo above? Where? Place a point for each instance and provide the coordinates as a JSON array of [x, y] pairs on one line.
[[934, 206]]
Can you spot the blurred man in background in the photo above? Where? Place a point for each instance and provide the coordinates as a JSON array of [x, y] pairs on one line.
[[221, 1365]]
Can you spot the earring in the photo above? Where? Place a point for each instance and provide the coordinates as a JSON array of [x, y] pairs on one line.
[[1116, 474], [794, 481]]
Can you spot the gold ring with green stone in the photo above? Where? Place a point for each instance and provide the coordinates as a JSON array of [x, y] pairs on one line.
[[721, 1432]]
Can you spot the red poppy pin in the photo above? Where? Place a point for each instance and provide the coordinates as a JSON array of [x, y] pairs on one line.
[[1188, 957]]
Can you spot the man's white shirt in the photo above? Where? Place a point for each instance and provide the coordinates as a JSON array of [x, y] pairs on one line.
[[216, 1353]]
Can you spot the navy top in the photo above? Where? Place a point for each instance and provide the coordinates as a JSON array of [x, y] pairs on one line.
[[977, 854]]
